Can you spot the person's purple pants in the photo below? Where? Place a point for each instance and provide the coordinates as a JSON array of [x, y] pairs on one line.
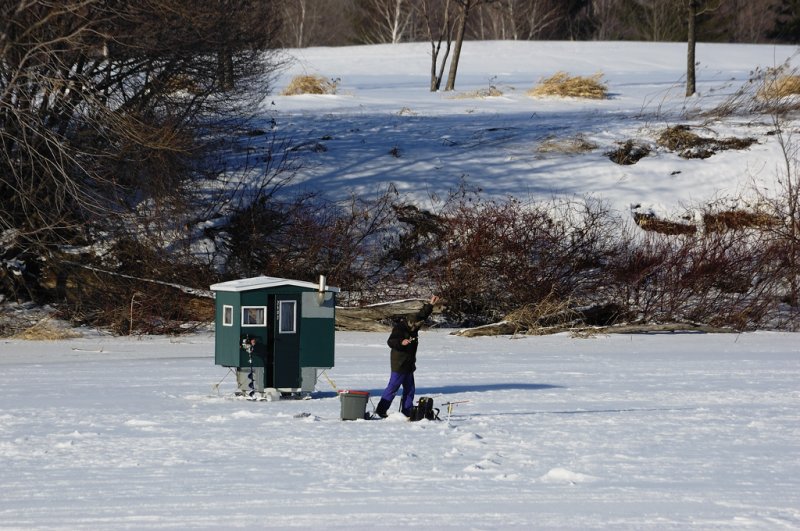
[[406, 379]]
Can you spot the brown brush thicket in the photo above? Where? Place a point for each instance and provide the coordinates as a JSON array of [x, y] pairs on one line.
[[715, 279], [489, 258], [546, 265]]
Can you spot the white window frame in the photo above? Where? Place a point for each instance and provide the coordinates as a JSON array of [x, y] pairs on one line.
[[281, 330], [263, 315], [227, 315]]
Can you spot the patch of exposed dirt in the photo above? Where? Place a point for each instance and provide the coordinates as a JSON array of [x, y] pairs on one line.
[[629, 152], [690, 145]]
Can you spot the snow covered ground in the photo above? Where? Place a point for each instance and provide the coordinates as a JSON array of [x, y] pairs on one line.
[[384, 125], [672, 431]]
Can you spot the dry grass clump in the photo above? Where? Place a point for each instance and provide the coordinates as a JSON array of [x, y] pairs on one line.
[[563, 85], [779, 87], [570, 146], [307, 84], [651, 223], [768, 91], [491, 92], [46, 330], [737, 219]]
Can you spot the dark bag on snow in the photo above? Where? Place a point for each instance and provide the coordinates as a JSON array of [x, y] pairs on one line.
[[424, 410]]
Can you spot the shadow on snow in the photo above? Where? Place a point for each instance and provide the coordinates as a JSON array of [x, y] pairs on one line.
[[454, 389], [580, 411]]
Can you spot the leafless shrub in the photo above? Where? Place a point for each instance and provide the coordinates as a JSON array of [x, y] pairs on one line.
[[717, 279], [128, 299], [545, 265], [782, 207], [742, 101], [563, 85], [308, 236], [767, 91], [496, 257]]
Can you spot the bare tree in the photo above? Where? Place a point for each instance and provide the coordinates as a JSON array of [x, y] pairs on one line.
[[465, 8], [657, 20], [315, 22], [609, 24], [439, 26], [694, 9], [390, 20], [691, 40], [494, 22], [782, 207], [786, 208], [442, 19], [515, 19], [101, 104], [296, 19], [533, 19], [749, 20]]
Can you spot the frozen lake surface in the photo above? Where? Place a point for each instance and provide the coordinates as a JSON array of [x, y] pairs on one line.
[[670, 431]]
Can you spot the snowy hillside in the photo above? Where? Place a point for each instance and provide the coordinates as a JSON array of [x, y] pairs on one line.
[[384, 126]]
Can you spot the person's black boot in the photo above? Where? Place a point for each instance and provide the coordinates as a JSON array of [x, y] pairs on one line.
[[383, 407]]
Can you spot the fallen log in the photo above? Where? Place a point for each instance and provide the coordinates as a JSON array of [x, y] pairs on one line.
[[372, 318], [510, 328], [503, 328], [665, 327]]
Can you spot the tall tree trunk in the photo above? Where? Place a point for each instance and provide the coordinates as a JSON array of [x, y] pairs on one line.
[[692, 43], [438, 31], [464, 8], [225, 69]]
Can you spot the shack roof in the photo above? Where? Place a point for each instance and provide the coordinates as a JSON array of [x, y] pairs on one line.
[[247, 284]]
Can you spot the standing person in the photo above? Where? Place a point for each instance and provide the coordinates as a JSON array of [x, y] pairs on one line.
[[403, 341]]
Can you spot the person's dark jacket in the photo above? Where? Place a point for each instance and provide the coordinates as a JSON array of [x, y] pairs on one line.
[[404, 357]]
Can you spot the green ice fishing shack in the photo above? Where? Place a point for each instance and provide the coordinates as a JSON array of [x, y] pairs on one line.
[[277, 331]]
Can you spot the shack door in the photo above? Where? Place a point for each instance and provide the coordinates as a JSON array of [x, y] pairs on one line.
[[287, 340]]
